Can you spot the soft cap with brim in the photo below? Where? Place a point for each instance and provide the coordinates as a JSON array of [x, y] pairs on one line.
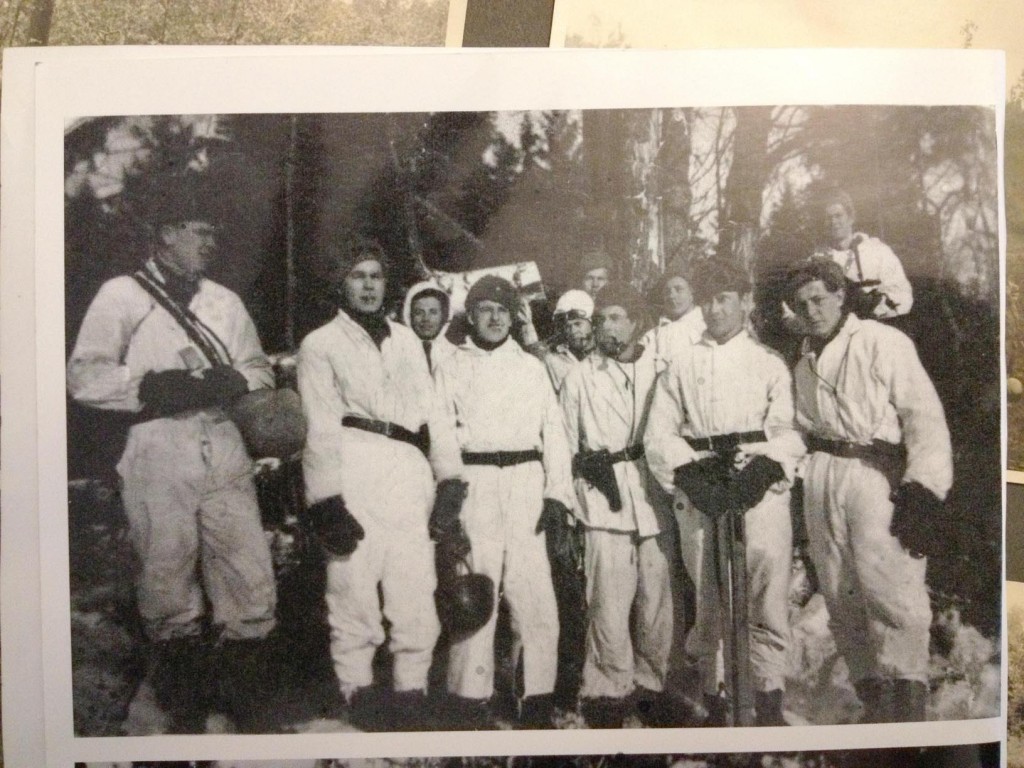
[[718, 275], [595, 260], [493, 288], [620, 295], [575, 303]]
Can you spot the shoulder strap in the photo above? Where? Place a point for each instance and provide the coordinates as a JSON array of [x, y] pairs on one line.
[[199, 333]]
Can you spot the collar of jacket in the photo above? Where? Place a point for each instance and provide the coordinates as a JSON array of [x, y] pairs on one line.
[[852, 325], [706, 340], [176, 287], [509, 347], [346, 319]]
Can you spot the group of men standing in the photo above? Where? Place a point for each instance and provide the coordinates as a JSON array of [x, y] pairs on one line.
[[490, 468]]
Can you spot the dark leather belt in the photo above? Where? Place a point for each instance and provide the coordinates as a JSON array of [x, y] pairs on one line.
[[722, 443], [419, 439], [874, 451], [500, 458], [629, 453]]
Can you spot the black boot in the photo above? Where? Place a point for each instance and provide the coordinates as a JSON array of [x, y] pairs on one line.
[[179, 676], [768, 708], [369, 709], [718, 711], [536, 712], [660, 709], [410, 711], [604, 711], [909, 701], [465, 714], [243, 683], [877, 697]]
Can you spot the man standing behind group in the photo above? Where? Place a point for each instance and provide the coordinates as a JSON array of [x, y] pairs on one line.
[[721, 435], [177, 349], [369, 401], [880, 464], [681, 320], [882, 288], [503, 409], [427, 312], [626, 517]]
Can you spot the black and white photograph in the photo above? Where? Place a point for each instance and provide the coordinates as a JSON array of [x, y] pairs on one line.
[[544, 419], [574, 416]]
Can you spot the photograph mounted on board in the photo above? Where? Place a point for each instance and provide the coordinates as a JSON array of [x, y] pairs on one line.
[[565, 419]]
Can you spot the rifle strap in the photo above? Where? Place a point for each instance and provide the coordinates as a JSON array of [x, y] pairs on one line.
[[209, 343]]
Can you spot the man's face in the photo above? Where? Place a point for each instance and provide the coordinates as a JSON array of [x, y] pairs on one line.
[[188, 247], [678, 297], [491, 321], [579, 335], [427, 317], [840, 224], [614, 329], [363, 287], [819, 308], [724, 315], [595, 280]]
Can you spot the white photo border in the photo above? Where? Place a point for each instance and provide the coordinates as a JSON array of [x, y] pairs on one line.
[[216, 80]]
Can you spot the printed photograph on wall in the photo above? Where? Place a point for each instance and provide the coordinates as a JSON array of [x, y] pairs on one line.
[[486, 420]]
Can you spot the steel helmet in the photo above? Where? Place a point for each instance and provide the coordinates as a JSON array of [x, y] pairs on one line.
[[464, 603]]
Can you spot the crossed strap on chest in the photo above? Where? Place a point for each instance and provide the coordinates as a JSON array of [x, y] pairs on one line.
[[198, 332]]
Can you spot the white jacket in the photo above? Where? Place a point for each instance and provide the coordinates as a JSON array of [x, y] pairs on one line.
[[871, 259], [502, 400], [868, 384], [715, 389], [126, 334], [668, 336], [602, 411], [341, 372]]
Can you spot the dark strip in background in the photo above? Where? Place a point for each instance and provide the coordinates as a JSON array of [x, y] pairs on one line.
[[507, 23]]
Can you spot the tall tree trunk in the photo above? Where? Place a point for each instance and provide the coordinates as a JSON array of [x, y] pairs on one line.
[[745, 185], [39, 22]]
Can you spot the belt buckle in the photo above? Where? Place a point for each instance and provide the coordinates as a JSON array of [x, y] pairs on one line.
[[711, 444], [387, 429]]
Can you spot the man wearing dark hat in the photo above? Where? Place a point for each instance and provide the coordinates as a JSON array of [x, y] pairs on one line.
[[177, 350], [880, 465], [627, 518], [595, 271], [373, 423], [509, 428], [721, 435]]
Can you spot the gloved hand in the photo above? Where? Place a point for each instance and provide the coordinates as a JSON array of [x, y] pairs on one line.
[[562, 542], [224, 385], [916, 517], [752, 482], [445, 526], [165, 393], [334, 527], [706, 483]]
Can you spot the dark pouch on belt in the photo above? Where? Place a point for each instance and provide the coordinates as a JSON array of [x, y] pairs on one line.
[[597, 468]]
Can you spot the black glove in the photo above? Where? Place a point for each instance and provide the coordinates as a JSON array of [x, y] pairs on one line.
[[597, 469], [165, 393], [334, 527], [224, 385], [752, 482], [706, 484], [445, 525], [916, 518], [562, 542]]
